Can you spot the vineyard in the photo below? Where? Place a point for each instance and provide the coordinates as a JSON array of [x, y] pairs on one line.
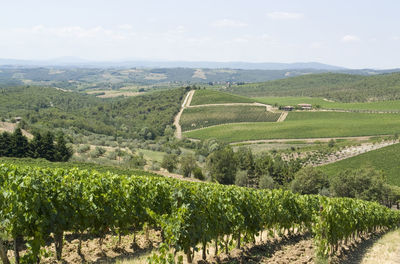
[[305, 125], [389, 106], [199, 117], [202, 97], [42, 204]]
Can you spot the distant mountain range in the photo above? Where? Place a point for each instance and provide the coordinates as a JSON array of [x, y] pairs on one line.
[[77, 62]]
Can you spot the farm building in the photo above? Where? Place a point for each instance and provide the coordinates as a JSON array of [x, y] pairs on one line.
[[288, 108], [305, 106]]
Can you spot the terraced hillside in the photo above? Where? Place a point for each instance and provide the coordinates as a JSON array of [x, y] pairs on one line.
[[385, 159]]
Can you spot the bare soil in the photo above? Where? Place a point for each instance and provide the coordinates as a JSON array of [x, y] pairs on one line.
[[10, 127], [298, 249], [108, 252]]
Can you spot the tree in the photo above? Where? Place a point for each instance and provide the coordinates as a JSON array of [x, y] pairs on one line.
[[188, 164], [62, 152], [48, 146], [37, 149], [198, 173], [263, 165], [5, 144], [245, 159], [19, 144], [366, 184], [241, 178], [309, 181], [169, 162], [222, 165], [266, 182]]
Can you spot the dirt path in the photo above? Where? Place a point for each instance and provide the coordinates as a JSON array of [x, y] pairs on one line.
[[268, 107], [282, 117], [165, 173], [384, 250], [307, 140], [186, 103], [189, 99]]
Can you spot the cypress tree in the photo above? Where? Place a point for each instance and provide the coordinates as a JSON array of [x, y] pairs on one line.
[[62, 152], [5, 144], [36, 146], [19, 144], [48, 146]]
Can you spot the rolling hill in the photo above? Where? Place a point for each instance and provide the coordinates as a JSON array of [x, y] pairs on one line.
[[145, 116], [334, 86]]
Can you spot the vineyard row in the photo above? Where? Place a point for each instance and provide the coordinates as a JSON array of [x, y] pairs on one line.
[[39, 204]]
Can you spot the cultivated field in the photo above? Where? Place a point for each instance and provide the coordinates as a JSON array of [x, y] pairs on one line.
[[199, 117], [385, 159], [214, 97], [306, 125], [323, 103]]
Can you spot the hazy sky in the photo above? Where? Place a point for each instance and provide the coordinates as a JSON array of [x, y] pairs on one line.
[[348, 33]]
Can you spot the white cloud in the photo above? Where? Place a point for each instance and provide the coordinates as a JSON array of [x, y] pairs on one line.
[[350, 38], [241, 40], [316, 45], [75, 32], [285, 15], [125, 27], [224, 23]]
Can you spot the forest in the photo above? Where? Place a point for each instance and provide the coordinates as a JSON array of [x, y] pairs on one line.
[[144, 116]]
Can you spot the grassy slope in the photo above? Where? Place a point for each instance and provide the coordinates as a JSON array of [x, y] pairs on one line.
[[385, 159], [373, 106], [193, 118], [214, 97], [306, 125], [339, 87]]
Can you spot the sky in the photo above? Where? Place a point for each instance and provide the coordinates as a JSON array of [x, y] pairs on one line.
[[351, 33]]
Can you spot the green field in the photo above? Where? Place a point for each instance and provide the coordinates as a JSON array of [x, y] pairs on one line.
[[385, 159], [306, 125], [199, 117], [214, 97], [370, 106], [151, 155]]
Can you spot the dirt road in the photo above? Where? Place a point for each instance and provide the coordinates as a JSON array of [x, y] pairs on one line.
[[306, 140], [268, 107], [186, 103], [282, 117]]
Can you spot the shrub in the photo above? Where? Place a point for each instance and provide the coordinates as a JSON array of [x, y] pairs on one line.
[[309, 181], [241, 178], [198, 173], [97, 152], [83, 149], [266, 182]]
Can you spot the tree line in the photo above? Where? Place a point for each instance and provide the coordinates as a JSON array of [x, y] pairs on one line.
[[269, 170], [43, 145]]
